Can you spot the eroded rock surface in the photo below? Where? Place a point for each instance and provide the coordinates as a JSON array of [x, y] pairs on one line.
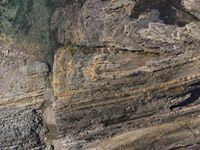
[[125, 75], [192, 6], [22, 95], [141, 70], [101, 94]]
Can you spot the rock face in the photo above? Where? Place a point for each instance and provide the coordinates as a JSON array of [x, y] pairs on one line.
[[125, 75], [101, 94], [192, 6], [22, 95]]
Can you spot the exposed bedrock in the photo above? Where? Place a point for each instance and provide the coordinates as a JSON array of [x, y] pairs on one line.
[[26, 97], [23, 94], [101, 95], [130, 77], [125, 75], [120, 24]]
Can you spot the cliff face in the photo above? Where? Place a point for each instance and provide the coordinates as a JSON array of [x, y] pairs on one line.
[[22, 94], [125, 74]]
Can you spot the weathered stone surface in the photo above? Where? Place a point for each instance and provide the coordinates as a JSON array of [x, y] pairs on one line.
[[159, 32], [125, 74], [101, 94], [158, 137], [192, 6], [22, 94], [111, 92], [119, 23], [100, 23]]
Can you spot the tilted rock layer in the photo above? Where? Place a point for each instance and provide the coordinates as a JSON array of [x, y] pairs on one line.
[[125, 75]]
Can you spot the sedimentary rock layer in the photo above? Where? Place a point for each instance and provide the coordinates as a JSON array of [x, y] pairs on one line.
[[101, 94], [141, 70], [125, 74], [22, 95]]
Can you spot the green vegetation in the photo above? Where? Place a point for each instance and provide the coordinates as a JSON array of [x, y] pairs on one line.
[[29, 21], [8, 10], [28, 16]]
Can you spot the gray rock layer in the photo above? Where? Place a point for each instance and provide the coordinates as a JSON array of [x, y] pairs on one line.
[[22, 94]]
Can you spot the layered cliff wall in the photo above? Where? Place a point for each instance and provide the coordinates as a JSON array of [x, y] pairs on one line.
[[100, 74]]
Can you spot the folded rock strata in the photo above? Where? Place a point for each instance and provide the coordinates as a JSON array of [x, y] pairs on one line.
[[107, 91], [101, 94], [125, 75]]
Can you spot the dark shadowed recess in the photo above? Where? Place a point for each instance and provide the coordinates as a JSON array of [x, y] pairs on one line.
[[193, 99], [171, 11]]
